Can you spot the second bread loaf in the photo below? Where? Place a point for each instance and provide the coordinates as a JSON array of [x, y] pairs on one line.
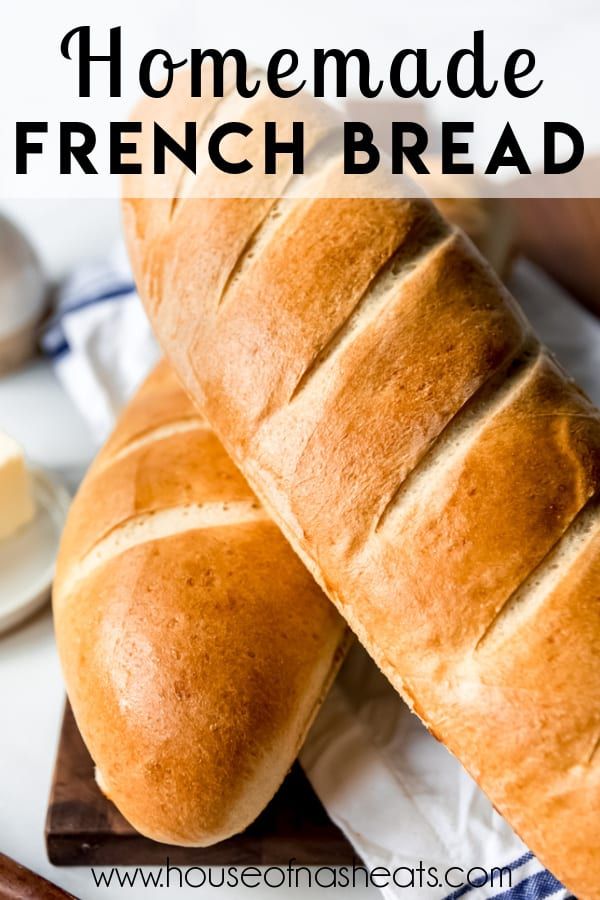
[[195, 646]]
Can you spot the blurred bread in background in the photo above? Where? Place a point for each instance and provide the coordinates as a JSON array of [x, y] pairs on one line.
[[562, 234]]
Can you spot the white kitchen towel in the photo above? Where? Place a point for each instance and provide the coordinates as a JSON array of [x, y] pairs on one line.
[[403, 801], [99, 340]]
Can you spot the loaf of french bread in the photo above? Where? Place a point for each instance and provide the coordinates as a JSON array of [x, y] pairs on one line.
[[427, 459], [196, 648]]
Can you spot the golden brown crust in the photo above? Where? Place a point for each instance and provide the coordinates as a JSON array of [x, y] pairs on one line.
[[176, 469], [524, 693], [489, 222], [159, 401], [399, 362], [483, 522], [194, 661], [423, 456]]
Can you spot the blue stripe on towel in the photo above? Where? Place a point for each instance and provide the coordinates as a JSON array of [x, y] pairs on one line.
[[53, 341], [121, 291], [536, 887], [57, 351], [480, 882]]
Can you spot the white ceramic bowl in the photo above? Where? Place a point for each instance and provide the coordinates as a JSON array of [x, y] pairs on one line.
[[22, 296]]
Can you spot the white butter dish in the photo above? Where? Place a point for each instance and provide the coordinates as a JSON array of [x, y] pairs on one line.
[[28, 556]]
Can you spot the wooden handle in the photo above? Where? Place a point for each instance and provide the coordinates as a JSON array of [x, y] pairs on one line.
[[19, 883]]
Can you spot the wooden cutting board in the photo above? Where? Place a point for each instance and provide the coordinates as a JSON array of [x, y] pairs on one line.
[[84, 828]]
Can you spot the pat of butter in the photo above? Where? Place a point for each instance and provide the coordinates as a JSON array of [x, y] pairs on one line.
[[16, 501]]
